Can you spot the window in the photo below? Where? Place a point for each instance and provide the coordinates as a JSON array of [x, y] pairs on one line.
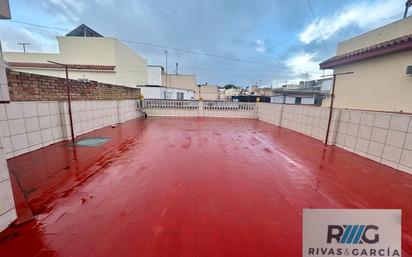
[[179, 96]]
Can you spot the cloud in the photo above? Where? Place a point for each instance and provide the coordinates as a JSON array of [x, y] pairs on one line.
[[11, 35], [304, 65], [67, 10], [365, 15]]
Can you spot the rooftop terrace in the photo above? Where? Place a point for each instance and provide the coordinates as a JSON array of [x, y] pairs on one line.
[[192, 187]]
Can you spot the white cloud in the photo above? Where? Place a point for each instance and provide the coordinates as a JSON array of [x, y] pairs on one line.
[[364, 15], [304, 66], [303, 63], [11, 35]]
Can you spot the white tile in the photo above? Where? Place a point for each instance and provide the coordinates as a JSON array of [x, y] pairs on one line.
[[362, 145], [354, 117], [7, 147], [382, 120], [55, 120], [6, 197], [17, 126], [375, 149], [406, 158], [21, 151], [47, 135], [4, 171], [32, 124], [365, 132], [3, 115], [14, 110], [379, 135], [374, 158], [57, 133], [405, 169], [352, 129], [43, 108], [19, 142], [29, 109], [395, 138], [4, 128], [408, 141], [35, 147], [44, 122], [399, 122], [344, 116], [390, 163], [367, 118], [342, 127], [34, 138], [410, 127], [350, 142], [391, 153], [54, 108], [7, 218]]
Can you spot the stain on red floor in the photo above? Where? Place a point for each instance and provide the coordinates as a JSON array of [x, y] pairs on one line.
[[192, 187]]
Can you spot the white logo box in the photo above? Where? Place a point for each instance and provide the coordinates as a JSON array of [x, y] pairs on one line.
[[351, 232]]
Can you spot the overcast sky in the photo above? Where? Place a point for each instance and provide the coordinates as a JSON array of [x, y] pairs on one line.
[[272, 40]]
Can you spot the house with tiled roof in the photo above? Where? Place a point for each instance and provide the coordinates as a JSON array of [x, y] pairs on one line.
[[90, 55], [379, 60]]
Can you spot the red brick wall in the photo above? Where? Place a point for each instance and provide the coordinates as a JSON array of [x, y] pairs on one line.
[[32, 87]]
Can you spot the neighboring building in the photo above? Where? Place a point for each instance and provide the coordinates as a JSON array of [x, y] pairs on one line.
[[155, 92], [231, 92], [155, 75], [99, 58], [379, 61]]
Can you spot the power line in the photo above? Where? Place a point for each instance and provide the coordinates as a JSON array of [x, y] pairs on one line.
[[162, 46], [317, 26]]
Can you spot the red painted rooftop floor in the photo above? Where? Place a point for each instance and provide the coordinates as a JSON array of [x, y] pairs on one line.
[[194, 187]]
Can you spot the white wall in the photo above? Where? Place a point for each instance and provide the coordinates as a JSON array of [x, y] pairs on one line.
[[154, 75], [27, 126], [130, 68], [382, 137], [171, 93]]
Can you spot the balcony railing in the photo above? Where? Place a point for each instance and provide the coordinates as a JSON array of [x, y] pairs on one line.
[[228, 106], [170, 104]]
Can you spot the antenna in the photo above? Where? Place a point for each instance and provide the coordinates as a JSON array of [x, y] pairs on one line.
[[166, 66], [177, 68], [23, 44], [407, 5]]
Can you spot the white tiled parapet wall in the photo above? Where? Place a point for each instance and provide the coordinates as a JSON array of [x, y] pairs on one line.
[[7, 208], [383, 137]]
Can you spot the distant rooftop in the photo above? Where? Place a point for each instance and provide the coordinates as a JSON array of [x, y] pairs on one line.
[[83, 31]]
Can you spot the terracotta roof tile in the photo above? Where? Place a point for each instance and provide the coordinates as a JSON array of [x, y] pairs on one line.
[[396, 45]]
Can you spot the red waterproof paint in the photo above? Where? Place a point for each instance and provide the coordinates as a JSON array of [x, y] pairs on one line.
[[167, 187]]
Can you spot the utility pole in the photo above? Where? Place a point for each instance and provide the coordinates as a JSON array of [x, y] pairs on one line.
[[66, 67], [23, 44], [177, 68], [332, 97]]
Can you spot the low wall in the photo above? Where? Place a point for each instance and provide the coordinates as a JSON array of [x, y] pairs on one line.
[[383, 137], [33, 87], [200, 109]]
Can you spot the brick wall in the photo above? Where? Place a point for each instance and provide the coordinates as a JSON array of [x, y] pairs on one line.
[[32, 87]]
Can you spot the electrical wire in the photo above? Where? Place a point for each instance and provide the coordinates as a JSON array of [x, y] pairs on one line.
[[162, 46], [318, 28]]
